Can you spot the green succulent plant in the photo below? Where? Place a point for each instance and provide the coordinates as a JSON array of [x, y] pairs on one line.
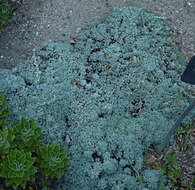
[[53, 160], [17, 167], [21, 156], [6, 141], [28, 135]]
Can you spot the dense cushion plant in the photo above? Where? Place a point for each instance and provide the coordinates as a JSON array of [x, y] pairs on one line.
[[21, 154], [110, 94]]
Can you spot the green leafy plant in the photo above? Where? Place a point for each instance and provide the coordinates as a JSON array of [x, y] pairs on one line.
[[170, 169], [17, 167], [21, 155], [184, 132], [6, 141], [27, 135], [3, 111], [52, 160], [5, 12]]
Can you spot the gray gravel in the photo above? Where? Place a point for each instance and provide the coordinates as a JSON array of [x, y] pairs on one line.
[[40, 21]]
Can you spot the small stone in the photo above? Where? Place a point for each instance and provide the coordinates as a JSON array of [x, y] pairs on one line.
[[67, 140]]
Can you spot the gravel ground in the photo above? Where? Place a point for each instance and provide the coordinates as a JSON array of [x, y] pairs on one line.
[[38, 21]]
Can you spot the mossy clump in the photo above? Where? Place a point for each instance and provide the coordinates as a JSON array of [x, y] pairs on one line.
[[107, 96]]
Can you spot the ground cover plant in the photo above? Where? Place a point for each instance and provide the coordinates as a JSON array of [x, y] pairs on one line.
[[107, 95], [5, 12]]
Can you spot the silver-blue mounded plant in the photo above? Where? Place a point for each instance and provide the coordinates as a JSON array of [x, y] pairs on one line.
[[106, 97]]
